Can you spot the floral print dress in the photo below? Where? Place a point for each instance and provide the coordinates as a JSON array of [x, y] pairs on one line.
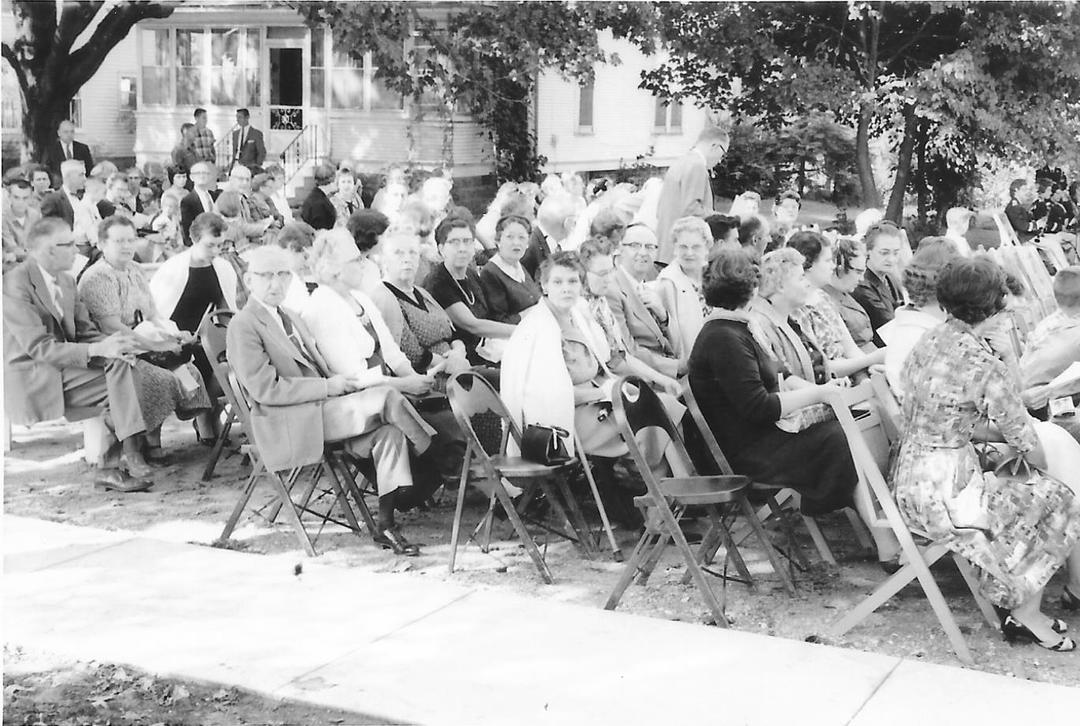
[[954, 382]]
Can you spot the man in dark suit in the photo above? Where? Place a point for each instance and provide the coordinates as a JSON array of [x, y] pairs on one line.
[[297, 407], [1018, 210], [555, 220], [66, 147], [879, 292], [200, 199], [56, 362], [317, 210], [63, 201], [247, 143]]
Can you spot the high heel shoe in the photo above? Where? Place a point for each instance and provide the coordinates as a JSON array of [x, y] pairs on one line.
[[1014, 631], [1069, 601]]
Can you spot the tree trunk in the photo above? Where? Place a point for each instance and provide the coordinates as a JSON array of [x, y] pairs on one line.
[[870, 195], [903, 164], [924, 192]]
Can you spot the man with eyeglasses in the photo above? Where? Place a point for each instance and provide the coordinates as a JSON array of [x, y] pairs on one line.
[[636, 306], [200, 199], [880, 292], [687, 191]]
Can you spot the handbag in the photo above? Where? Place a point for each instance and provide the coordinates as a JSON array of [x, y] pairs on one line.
[[545, 445]]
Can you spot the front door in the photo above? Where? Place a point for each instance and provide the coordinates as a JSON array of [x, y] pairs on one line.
[[286, 83]]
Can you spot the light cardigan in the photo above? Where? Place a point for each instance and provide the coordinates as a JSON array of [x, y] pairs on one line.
[[682, 301], [900, 336], [534, 382], [169, 280], [343, 340]]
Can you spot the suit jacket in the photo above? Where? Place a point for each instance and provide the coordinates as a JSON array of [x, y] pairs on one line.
[[53, 156], [190, 208], [15, 234], [318, 210], [1020, 218], [39, 343], [644, 335], [686, 192], [286, 390], [254, 151], [57, 204], [879, 296], [535, 253]]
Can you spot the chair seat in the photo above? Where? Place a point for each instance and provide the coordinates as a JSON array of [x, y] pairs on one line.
[[516, 466], [704, 489]]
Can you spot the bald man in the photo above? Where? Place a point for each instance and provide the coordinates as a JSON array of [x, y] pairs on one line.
[[66, 147], [297, 407], [555, 221], [957, 222], [57, 362]]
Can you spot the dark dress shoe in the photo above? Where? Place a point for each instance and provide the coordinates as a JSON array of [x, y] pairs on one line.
[[393, 539], [136, 469], [117, 481], [156, 456], [1069, 601]]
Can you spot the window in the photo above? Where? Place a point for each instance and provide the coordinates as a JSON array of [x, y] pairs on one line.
[[189, 62], [128, 95], [586, 94], [157, 64], [668, 118], [318, 68], [75, 111], [347, 81], [234, 70]]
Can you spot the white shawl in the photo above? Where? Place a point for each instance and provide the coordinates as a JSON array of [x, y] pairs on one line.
[[169, 280]]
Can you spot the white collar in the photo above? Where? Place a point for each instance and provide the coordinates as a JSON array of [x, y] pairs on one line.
[[516, 273]]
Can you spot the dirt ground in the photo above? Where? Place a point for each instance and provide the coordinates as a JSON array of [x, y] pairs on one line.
[[46, 478]]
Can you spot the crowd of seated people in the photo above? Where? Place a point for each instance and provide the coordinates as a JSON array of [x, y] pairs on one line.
[[351, 319]]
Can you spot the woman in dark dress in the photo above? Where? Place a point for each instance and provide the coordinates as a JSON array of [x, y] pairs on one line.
[[509, 288], [738, 386], [456, 286], [186, 285]]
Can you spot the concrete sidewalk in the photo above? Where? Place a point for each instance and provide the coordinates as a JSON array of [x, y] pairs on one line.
[[431, 652]]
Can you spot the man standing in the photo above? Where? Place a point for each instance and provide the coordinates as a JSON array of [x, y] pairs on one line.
[[317, 210], [879, 292], [200, 199], [19, 217], [555, 220], [63, 201], [687, 191], [183, 154], [202, 142], [66, 147], [56, 360], [297, 407], [247, 143]]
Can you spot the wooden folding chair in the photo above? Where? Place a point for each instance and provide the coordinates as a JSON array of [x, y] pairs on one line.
[[342, 482], [212, 331], [643, 421], [776, 496], [475, 403], [868, 439]]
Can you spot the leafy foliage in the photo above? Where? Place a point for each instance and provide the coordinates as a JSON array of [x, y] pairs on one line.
[[483, 58]]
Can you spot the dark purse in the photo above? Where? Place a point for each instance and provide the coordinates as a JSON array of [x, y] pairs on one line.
[[545, 445]]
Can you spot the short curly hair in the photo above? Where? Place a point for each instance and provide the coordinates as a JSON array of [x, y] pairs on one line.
[[365, 226], [972, 290], [845, 251], [595, 246], [810, 244], [921, 274], [1067, 287], [731, 278], [691, 226], [776, 269], [567, 260]]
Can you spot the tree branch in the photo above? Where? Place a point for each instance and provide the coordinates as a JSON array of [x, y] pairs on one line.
[[914, 38], [116, 24], [13, 60]]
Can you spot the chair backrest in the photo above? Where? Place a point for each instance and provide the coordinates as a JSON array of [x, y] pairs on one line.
[[481, 413], [712, 446], [212, 334], [238, 397], [891, 415], [642, 418]]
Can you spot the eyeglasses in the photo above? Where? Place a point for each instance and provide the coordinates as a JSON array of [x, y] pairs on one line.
[[860, 270], [641, 246], [280, 275]]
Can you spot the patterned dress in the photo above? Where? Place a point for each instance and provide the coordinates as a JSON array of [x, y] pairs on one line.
[[427, 330], [822, 320], [854, 317], [107, 291], [954, 382]]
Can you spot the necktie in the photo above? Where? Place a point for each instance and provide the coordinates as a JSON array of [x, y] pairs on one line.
[[290, 330], [67, 152], [349, 206], [376, 357], [58, 298], [240, 141]]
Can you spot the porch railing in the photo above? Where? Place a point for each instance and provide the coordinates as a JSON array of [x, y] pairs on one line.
[[223, 151], [304, 146]]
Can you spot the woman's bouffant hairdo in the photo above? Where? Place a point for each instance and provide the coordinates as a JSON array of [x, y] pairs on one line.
[[776, 268], [731, 278], [845, 251], [972, 290], [921, 274], [506, 220], [595, 246], [810, 245], [565, 259], [458, 218]]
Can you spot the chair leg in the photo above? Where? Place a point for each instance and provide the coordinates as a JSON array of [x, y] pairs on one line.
[[361, 505], [861, 532], [290, 511], [794, 548], [577, 518], [523, 534], [652, 557], [219, 446], [630, 571], [774, 559], [616, 553], [335, 466], [671, 524], [731, 549], [459, 508], [819, 540], [972, 581], [241, 504]]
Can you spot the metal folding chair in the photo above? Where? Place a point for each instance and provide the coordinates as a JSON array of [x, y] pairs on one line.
[[869, 440], [212, 331], [644, 422]]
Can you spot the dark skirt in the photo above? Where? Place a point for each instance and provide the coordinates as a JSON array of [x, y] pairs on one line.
[[815, 462]]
